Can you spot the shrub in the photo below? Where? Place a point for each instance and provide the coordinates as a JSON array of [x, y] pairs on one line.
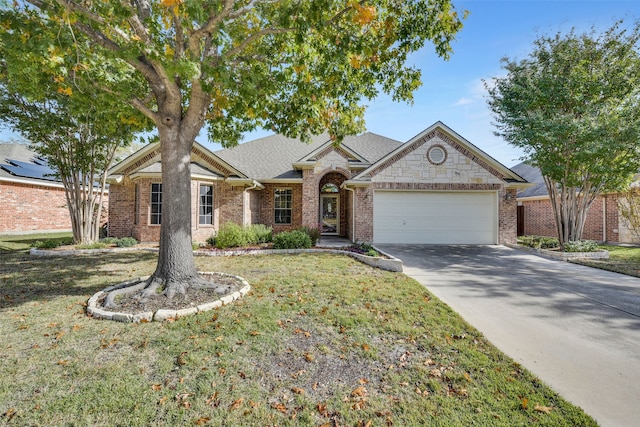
[[52, 243], [211, 241], [230, 235], [580, 246], [366, 249], [313, 233], [109, 240], [539, 242], [95, 245], [258, 233], [126, 242], [295, 239]]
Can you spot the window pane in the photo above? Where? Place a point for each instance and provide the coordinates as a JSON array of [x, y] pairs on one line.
[[156, 204], [205, 216], [282, 205]]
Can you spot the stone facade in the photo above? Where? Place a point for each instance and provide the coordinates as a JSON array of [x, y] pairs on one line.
[[413, 166], [459, 170]]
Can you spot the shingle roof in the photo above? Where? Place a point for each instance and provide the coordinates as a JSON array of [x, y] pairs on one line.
[[272, 157], [533, 175]]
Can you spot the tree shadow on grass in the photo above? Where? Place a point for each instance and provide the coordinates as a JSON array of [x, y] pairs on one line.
[[25, 278]]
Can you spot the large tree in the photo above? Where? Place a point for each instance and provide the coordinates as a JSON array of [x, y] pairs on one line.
[[573, 106], [46, 98], [297, 67]]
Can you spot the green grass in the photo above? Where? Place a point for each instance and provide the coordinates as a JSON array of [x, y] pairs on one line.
[[320, 340], [622, 259], [23, 242]]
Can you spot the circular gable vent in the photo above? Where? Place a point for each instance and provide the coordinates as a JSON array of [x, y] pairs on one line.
[[437, 155]]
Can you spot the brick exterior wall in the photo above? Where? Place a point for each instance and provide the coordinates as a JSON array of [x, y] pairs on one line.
[[26, 208], [409, 169], [539, 219], [364, 214], [507, 216], [267, 207]]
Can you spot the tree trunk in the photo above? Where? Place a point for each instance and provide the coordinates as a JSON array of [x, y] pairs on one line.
[[176, 268], [570, 207]]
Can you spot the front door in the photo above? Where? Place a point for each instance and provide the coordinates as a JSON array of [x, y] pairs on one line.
[[330, 213]]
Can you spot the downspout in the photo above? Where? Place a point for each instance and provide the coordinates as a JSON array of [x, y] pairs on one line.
[[353, 213], [253, 187], [604, 218]]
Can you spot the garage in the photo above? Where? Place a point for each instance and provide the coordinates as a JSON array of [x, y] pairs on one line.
[[423, 217]]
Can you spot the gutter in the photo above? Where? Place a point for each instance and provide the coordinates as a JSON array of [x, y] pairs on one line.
[[244, 207]]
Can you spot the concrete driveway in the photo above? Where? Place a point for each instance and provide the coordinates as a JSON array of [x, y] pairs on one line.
[[576, 328]]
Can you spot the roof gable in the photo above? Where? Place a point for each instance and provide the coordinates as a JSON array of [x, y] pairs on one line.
[[148, 159], [442, 133]]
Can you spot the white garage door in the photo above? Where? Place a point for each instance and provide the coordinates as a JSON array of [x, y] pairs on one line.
[[434, 217]]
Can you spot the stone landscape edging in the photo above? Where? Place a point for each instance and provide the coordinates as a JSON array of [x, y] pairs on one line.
[[563, 256], [162, 314]]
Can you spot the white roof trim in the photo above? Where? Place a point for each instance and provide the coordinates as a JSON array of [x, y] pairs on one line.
[[38, 182]]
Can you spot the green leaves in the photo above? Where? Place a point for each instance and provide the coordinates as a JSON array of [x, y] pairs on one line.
[[574, 107]]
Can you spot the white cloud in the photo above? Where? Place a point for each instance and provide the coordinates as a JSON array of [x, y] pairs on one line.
[[463, 101]]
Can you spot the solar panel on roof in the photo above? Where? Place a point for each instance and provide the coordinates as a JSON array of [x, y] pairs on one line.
[[29, 172], [28, 165]]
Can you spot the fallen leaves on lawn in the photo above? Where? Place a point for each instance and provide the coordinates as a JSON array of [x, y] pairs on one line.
[[297, 390], [543, 409], [279, 407], [236, 404]]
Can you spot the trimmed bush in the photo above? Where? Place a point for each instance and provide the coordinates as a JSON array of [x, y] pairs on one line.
[[258, 233], [539, 242], [581, 246], [295, 239], [95, 245], [366, 249], [313, 233], [109, 240], [230, 235], [126, 242], [52, 243]]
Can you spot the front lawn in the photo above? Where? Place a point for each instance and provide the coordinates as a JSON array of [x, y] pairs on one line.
[[20, 242], [622, 259], [321, 340]]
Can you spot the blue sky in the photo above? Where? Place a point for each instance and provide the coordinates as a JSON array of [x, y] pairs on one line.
[[453, 92]]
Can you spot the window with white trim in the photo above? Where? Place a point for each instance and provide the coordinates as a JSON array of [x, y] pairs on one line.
[[156, 204], [205, 215], [282, 205]]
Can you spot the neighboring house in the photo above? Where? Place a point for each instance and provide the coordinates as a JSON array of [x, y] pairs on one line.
[[436, 188], [535, 214], [31, 199]]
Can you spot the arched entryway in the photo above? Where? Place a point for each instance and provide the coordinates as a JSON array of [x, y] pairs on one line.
[[333, 205]]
